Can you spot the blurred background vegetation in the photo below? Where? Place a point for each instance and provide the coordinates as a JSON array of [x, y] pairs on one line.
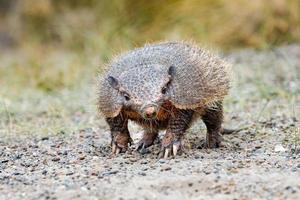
[[54, 44], [51, 52]]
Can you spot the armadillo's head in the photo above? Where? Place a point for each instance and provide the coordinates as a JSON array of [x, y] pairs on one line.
[[144, 89]]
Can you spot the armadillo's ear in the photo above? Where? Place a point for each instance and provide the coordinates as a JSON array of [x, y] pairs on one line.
[[113, 82], [171, 71]]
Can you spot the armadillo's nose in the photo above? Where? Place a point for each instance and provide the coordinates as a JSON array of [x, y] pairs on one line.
[[150, 111]]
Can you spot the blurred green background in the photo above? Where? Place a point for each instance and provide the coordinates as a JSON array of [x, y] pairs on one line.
[[51, 52], [54, 44]]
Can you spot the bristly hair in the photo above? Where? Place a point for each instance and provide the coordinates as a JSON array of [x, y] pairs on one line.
[[201, 78]]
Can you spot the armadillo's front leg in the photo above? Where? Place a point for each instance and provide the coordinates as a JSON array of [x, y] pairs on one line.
[[173, 139], [120, 137], [149, 136]]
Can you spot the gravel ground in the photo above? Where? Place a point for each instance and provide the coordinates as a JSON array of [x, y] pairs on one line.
[[261, 162]]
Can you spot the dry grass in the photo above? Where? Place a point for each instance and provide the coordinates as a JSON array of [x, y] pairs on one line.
[[58, 42], [227, 24]]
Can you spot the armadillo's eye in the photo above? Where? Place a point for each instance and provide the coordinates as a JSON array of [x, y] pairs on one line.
[[126, 96], [164, 90]]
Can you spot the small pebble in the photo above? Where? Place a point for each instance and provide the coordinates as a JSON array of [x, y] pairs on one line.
[[142, 173], [279, 148], [161, 160], [110, 173], [55, 159], [69, 173], [167, 168]]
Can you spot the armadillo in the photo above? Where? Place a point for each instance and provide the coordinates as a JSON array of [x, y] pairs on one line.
[[164, 86]]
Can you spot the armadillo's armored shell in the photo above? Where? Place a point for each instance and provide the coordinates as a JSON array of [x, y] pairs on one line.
[[200, 78]]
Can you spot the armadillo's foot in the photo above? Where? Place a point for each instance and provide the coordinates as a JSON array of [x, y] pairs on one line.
[[147, 140], [171, 146], [120, 143], [214, 140]]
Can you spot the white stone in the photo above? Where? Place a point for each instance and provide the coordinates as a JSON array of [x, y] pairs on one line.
[[279, 148]]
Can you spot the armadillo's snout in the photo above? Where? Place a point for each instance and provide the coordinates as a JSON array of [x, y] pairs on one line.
[[150, 111]]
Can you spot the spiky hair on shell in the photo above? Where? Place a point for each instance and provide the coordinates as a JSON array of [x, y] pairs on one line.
[[201, 79]]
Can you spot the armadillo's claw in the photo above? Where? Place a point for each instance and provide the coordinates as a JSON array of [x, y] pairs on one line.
[[118, 150], [115, 149], [119, 143], [167, 152], [147, 141], [130, 141], [172, 150], [142, 147], [139, 146], [175, 149]]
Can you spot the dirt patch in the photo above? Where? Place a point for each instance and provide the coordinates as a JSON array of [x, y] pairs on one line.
[[80, 166]]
